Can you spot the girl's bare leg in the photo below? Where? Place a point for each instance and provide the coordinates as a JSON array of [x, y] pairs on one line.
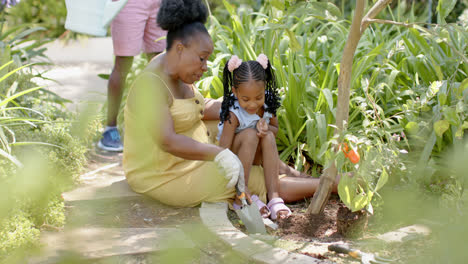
[[270, 162], [293, 189], [244, 146], [285, 169]]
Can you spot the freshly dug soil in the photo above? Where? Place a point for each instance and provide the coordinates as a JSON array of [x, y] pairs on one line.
[[300, 227], [351, 224]]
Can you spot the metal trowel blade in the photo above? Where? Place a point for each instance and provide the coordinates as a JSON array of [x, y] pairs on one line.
[[253, 221]]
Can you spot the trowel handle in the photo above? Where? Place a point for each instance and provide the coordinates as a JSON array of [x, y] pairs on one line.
[[240, 186], [346, 250]]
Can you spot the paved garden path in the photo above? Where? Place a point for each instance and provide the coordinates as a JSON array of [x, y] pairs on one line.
[[109, 223]]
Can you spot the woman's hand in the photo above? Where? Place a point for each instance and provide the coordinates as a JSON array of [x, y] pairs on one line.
[[230, 166], [262, 128]]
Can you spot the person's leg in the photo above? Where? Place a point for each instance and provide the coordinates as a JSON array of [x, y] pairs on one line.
[[285, 169], [244, 146], [127, 30], [293, 189], [270, 163], [110, 140], [116, 86]]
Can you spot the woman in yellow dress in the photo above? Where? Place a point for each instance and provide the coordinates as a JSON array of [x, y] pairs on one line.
[[169, 153]]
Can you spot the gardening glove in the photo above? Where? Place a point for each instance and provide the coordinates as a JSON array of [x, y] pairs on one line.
[[229, 165]]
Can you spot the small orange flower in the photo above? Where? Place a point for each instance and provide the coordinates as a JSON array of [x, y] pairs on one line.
[[351, 154]]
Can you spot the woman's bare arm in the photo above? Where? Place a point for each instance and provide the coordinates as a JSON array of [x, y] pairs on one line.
[[212, 107], [229, 131]]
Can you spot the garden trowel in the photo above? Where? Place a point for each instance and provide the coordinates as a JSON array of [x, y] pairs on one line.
[[248, 213]]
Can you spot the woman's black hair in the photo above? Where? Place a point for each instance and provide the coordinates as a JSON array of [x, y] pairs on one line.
[[249, 70], [182, 19]]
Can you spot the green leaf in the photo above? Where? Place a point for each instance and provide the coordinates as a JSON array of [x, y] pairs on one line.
[[293, 43], [382, 180], [451, 115], [359, 202], [424, 157], [459, 134], [465, 125], [462, 88], [104, 76], [412, 127], [340, 160], [442, 98], [26, 33], [329, 97], [434, 88], [229, 7], [347, 189], [13, 71], [9, 99], [279, 4], [10, 158], [440, 127], [321, 127], [444, 8], [323, 10], [27, 143]]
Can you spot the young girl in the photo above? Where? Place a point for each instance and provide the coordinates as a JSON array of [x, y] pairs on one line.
[[249, 125]]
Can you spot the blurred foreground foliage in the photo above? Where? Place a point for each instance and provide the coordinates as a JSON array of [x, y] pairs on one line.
[[42, 144]]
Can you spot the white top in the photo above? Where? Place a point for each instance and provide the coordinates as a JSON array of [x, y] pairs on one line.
[[246, 120]]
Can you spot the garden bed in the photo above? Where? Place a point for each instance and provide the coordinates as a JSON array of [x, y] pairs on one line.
[[311, 235], [298, 231]]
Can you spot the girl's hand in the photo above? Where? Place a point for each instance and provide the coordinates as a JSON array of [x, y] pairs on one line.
[[262, 128]]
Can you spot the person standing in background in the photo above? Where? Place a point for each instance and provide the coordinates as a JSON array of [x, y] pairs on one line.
[[133, 30]]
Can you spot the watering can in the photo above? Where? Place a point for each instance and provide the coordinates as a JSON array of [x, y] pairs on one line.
[[91, 16]]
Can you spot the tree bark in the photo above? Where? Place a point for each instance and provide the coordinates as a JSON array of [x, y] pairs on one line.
[[358, 26]]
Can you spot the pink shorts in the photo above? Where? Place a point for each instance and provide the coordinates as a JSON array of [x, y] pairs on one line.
[[134, 29]]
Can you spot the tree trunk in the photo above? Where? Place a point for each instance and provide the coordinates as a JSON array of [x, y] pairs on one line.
[[358, 26]]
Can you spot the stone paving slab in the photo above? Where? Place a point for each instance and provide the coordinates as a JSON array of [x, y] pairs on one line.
[[214, 217], [105, 242], [78, 82], [405, 233], [113, 187], [281, 256], [91, 50]]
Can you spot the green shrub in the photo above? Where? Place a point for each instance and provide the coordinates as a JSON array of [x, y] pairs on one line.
[[42, 145], [50, 14], [17, 232], [402, 78]]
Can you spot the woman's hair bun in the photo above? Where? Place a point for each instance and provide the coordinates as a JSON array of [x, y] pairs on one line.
[[175, 13]]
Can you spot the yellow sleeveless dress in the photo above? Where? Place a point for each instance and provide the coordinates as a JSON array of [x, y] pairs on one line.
[[169, 179]]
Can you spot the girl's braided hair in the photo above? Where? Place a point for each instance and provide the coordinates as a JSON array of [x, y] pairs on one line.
[[249, 70]]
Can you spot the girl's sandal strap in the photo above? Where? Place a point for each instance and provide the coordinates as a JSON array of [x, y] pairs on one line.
[[277, 205], [260, 206]]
